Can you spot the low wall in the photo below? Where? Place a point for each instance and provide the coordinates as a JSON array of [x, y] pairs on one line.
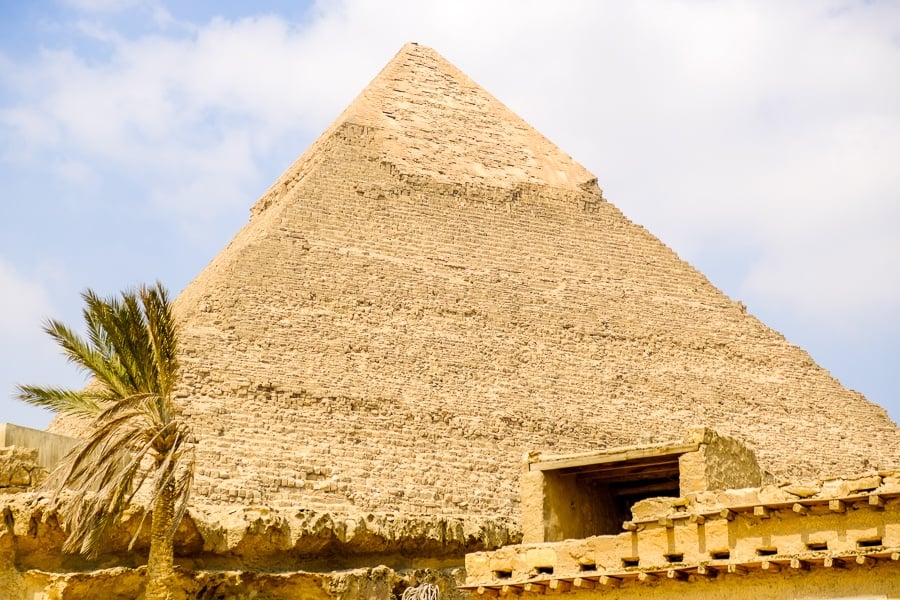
[[51, 447]]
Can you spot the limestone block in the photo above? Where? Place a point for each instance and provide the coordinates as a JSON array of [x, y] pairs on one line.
[[652, 546], [715, 535], [804, 489], [652, 508], [863, 484], [608, 550], [20, 477], [478, 566], [536, 558], [835, 488]]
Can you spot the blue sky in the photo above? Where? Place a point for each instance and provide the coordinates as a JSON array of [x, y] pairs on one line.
[[759, 140]]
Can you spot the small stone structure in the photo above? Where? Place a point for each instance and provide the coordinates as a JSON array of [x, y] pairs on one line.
[[585, 494], [813, 539], [50, 447]]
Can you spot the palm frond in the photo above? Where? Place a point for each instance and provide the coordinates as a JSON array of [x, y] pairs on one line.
[[137, 439], [61, 400]]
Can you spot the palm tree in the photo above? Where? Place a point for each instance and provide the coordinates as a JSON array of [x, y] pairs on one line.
[[138, 439]]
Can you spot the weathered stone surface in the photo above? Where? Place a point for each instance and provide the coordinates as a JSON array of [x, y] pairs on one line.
[[122, 583], [19, 469]]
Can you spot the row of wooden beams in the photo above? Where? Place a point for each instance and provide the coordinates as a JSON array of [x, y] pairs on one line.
[[623, 472], [615, 579], [800, 507]]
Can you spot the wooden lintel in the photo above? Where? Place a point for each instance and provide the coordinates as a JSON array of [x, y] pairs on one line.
[[560, 585], [837, 506], [594, 458], [584, 584]]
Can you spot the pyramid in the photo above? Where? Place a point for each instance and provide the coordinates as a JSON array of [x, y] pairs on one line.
[[434, 289]]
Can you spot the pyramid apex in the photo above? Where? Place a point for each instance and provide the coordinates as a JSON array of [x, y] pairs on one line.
[[427, 118]]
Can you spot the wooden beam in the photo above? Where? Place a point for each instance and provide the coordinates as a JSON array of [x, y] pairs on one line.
[[609, 581], [800, 509], [800, 565], [761, 511], [706, 571], [698, 519], [645, 577], [876, 501], [647, 488], [737, 569], [864, 560], [511, 590], [836, 506], [770, 566], [486, 591], [560, 585], [677, 575], [727, 513], [833, 562], [584, 584]]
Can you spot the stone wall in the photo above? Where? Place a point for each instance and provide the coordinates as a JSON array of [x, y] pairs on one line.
[[20, 469], [721, 463], [50, 448], [830, 532]]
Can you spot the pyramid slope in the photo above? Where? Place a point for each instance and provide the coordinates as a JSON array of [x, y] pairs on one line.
[[381, 336]]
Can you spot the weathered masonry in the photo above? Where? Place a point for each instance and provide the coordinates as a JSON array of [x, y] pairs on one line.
[[834, 539]]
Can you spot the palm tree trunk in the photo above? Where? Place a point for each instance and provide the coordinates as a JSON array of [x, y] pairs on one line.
[[160, 565]]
